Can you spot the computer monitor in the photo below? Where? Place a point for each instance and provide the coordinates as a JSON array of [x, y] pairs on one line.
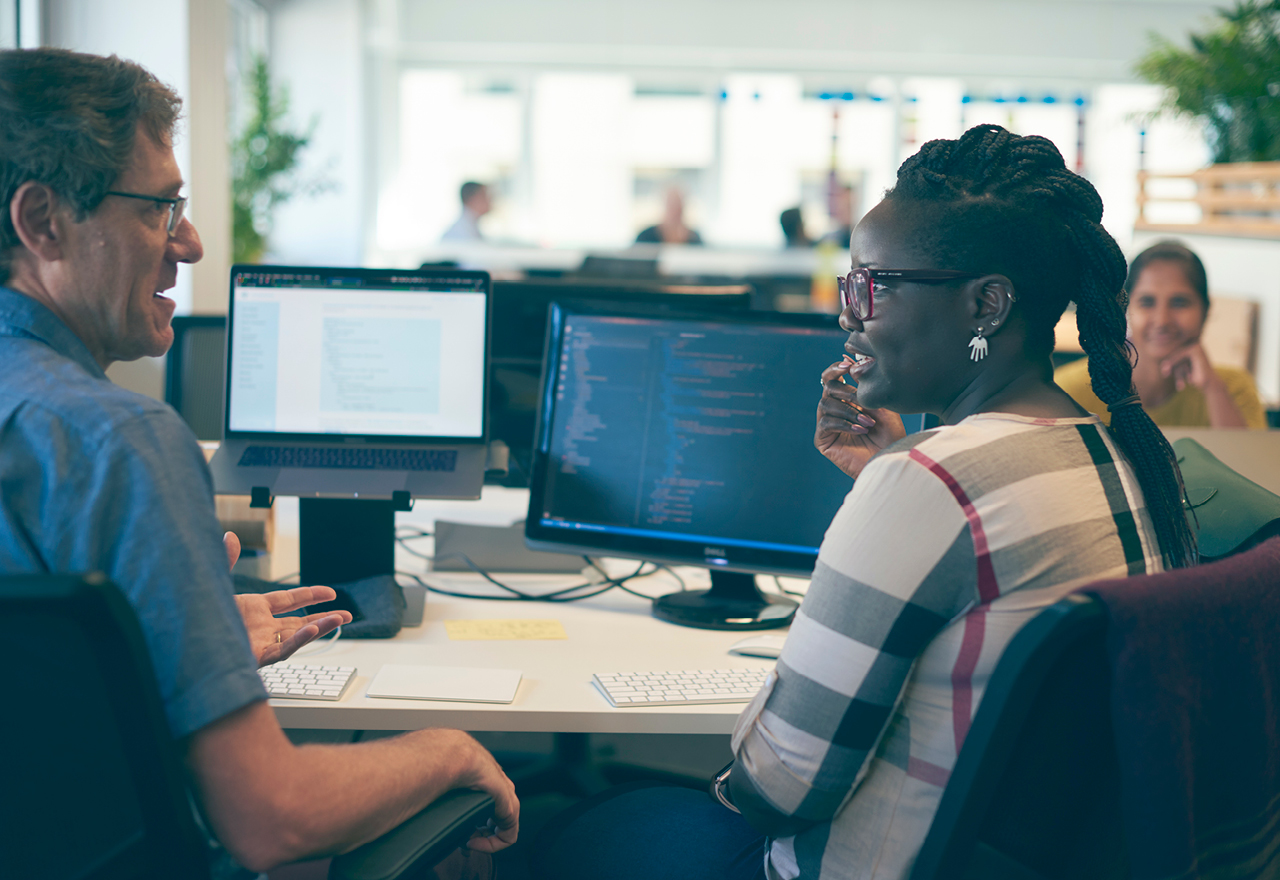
[[193, 372], [519, 329], [357, 390], [687, 439]]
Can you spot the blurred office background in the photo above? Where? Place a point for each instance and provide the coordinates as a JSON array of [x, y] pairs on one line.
[[581, 114]]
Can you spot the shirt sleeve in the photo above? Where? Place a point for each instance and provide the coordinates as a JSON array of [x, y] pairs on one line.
[[1244, 394], [137, 504], [896, 565]]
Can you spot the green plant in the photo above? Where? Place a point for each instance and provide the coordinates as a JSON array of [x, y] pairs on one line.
[[1229, 80], [264, 160]]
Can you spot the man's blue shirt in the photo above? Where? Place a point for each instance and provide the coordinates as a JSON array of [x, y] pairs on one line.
[[97, 478]]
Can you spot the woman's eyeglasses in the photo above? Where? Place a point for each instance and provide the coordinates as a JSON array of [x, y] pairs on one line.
[[176, 207], [857, 289]]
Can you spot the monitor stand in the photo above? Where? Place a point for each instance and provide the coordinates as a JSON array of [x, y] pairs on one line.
[[341, 540], [733, 602]]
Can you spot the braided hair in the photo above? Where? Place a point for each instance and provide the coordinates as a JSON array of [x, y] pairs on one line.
[[997, 202]]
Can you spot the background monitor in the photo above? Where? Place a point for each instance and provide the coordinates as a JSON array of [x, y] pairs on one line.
[[519, 329], [194, 372], [688, 440]]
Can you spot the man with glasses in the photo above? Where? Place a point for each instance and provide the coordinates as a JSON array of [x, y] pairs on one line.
[[98, 478]]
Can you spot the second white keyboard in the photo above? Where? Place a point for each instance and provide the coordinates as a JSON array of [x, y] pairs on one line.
[[303, 681], [626, 689]]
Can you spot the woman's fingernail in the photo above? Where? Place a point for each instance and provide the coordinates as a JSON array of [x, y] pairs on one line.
[[864, 419], [848, 360]]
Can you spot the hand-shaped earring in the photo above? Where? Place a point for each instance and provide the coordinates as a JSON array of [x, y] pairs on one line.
[[977, 346]]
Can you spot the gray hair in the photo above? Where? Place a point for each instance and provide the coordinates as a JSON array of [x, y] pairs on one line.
[[69, 121]]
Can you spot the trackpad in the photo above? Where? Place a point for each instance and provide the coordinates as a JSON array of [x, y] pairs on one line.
[[465, 684], [306, 482]]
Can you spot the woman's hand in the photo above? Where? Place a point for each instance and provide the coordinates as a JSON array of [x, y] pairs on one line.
[[847, 433], [1189, 365]]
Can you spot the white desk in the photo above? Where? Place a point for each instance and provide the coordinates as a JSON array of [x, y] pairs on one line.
[[611, 632]]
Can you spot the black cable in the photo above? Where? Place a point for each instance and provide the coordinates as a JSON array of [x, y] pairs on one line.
[[671, 571], [621, 583], [777, 580], [518, 597], [521, 596], [560, 595]]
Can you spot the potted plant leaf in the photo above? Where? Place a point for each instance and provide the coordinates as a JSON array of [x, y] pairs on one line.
[[1228, 81], [264, 162]]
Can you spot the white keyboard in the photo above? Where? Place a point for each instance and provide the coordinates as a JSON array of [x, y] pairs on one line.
[[624, 689], [300, 681]]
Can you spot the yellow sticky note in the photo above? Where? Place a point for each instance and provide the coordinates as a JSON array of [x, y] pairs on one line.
[[490, 630]]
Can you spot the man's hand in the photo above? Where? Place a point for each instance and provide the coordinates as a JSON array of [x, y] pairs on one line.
[[485, 775], [275, 638], [847, 433]]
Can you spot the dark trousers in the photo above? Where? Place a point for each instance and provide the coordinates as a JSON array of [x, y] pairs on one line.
[[643, 832]]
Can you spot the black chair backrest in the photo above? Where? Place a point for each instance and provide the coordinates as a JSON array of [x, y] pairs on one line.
[[93, 786], [1035, 792], [194, 372]]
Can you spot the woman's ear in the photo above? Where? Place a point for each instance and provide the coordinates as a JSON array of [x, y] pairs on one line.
[[993, 302]]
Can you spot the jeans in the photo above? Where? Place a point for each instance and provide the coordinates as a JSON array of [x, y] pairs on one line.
[[645, 831]]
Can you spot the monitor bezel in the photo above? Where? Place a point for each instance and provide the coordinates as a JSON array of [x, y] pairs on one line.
[[427, 275], [672, 551]]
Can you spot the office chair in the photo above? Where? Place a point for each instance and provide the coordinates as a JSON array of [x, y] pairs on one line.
[[94, 786], [1035, 793], [1061, 775], [194, 372]]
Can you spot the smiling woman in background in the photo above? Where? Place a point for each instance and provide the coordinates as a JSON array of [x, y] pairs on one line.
[[1168, 305]]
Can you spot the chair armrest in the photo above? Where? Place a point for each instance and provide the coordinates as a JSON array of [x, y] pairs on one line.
[[422, 841]]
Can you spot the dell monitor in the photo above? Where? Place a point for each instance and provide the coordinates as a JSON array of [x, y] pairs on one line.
[[519, 332], [687, 440]]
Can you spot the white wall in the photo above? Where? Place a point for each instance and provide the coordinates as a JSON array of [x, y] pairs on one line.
[[1084, 40], [342, 58], [317, 51]]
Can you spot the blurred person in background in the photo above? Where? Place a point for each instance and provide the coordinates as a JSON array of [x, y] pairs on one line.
[[842, 215], [1179, 386], [672, 229], [793, 229], [475, 204]]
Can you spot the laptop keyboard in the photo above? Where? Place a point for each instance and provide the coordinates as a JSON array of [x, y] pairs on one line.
[[350, 457]]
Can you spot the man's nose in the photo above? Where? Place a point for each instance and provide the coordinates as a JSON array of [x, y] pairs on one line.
[[185, 246]]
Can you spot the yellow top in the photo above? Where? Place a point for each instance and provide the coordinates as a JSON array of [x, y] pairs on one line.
[[1186, 409]]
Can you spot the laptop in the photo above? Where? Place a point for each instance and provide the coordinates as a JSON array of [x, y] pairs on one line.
[[355, 383]]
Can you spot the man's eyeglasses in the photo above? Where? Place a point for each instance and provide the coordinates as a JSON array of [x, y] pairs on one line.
[[176, 207], [857, 289]]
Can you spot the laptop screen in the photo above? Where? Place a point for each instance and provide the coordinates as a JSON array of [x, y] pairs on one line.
[[372, 353]]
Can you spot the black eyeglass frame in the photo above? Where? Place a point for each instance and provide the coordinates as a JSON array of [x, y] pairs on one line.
[[176, 205], [849, 290]]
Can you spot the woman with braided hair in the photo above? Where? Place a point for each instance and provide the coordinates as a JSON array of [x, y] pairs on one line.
[[951, 539]]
